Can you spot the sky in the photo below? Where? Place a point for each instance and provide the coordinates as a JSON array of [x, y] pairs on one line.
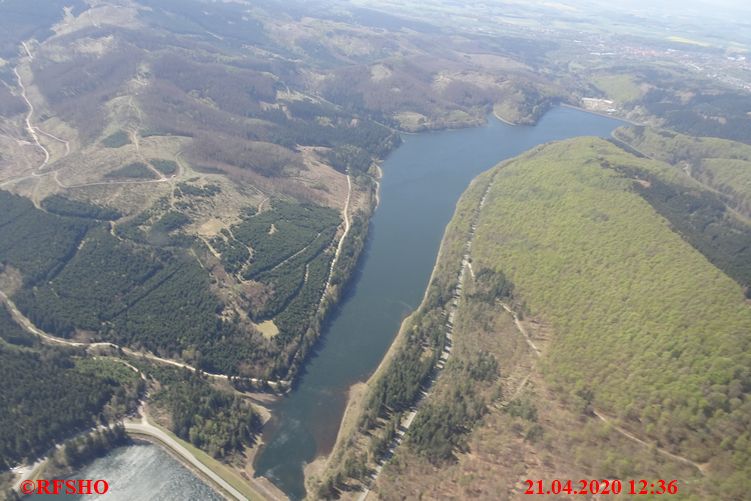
[[698, 7]]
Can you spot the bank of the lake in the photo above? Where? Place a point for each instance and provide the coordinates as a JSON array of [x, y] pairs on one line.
[[422, 181]]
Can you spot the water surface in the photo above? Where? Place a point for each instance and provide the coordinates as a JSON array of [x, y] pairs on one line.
[[142, 472], [421, 184]]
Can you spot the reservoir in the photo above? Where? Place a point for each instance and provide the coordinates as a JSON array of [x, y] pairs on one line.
[[144, 472], [422, 181]]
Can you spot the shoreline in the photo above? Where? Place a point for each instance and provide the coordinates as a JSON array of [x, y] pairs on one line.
[[230, 481], [499, 117], [366, 201], [145, 440], [357, 393], [601, 114], [572, 107], [370, 201], [325, 465], [222, 478]]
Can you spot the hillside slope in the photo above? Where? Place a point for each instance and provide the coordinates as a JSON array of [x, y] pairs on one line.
[[643, 321], [719, 163]]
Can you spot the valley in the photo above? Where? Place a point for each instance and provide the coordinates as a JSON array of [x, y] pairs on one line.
[[218, 222]]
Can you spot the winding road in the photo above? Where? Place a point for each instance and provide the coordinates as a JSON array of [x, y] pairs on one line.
[[29, 326], [149, 430], [29, 115], [341, 241], [143, 427], [346, 217], [34, 132]]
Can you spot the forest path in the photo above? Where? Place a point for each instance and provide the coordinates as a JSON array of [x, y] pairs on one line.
[[702, 468], [339, 247], [34, 133], [29, 326], [29, 127]]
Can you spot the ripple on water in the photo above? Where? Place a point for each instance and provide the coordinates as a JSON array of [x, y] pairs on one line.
[[143, 472]]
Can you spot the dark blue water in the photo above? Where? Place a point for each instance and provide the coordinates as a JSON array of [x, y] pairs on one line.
[[422, 182]]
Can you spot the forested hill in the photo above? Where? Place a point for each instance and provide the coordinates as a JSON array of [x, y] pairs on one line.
[[53, 393], [642, 321], [627, 355], [82, 280], [720, 164]]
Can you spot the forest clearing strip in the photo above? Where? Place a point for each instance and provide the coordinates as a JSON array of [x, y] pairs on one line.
[[700, 467], [687, 171]]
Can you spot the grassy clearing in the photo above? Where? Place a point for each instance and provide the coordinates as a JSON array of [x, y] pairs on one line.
[[622, 88], [268, 329]]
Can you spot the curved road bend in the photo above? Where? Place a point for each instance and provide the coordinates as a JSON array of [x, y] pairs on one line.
[[27, 324], [144, 428]]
